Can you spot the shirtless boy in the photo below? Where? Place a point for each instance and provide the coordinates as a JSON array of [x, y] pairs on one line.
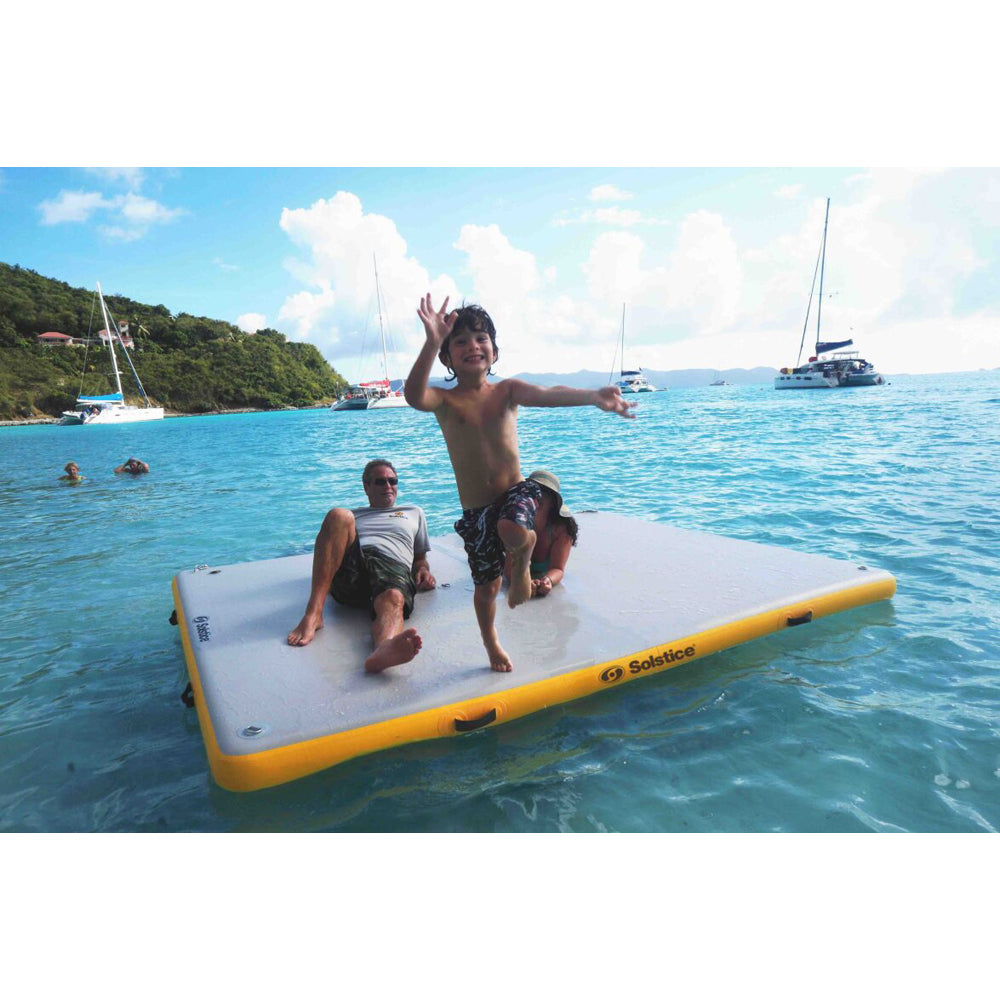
[[479, 422]]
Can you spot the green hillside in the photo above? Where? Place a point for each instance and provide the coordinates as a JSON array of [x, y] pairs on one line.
[[188, 364]]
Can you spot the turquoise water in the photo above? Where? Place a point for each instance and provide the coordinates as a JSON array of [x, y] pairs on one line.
[[882, 718]]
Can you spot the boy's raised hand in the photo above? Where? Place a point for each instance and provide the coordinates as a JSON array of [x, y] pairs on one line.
[[609, 398], [437, 323]]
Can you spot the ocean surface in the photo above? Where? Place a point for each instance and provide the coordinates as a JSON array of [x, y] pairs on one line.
[[882, 718]]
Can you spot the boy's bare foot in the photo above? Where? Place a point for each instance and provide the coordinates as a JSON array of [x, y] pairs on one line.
[[499, 660], [520, 572], [303, 633], [399, 649]]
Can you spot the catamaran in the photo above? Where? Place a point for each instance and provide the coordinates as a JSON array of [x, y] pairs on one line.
[[378, 393], [829, 367], [112, 408], [630, 380]]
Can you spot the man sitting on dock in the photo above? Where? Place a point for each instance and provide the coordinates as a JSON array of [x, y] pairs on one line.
[[372, 557]]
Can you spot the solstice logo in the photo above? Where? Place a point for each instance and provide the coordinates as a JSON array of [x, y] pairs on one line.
[[612, 674]]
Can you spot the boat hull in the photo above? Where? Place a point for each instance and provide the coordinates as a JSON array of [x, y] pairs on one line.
[[353, 403], [810, 380], [388, 402], [814, 380], [113, 415], [369, 403], [863, 379]]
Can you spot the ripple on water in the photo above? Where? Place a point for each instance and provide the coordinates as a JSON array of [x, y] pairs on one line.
[[842, 726]]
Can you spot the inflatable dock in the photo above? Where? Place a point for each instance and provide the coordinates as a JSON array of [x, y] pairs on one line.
[[639, 597]]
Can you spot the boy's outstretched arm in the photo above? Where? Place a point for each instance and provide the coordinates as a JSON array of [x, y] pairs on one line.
[[437, 326], [608, 397]]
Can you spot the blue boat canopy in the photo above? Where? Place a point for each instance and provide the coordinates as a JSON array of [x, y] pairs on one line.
[[832, 345], [115, 397]]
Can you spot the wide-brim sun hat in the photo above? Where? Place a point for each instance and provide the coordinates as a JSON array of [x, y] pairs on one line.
[[550, 481]]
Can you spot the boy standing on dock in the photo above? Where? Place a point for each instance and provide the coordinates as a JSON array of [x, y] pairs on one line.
[[479, 422]]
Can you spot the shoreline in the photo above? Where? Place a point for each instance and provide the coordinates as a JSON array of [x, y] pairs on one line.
[[170, 414]]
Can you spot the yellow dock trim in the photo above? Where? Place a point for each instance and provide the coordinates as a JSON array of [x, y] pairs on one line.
[[249, 772]]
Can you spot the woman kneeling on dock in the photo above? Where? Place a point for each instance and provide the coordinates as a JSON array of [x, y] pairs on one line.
[[556, 530]]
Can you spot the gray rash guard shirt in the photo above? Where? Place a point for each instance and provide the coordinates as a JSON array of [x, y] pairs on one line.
[[400, 532]]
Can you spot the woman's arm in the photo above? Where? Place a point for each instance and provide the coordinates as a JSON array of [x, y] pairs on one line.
[[558, 557]]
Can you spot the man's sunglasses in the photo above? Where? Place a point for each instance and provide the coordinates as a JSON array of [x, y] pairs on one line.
[[385, 481]]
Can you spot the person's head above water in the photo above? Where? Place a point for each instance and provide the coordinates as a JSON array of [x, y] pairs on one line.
[[469, 321]]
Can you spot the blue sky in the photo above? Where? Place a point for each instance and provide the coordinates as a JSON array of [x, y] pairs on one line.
[[713, 265]]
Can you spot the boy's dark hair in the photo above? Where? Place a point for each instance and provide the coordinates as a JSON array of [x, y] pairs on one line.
[[474, 318], [376, 462]]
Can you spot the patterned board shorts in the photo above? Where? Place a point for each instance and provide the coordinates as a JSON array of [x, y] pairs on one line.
[[365, 573], [478, 528]]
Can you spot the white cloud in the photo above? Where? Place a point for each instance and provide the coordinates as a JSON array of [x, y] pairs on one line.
[[223, 266], [500, 272], [789, 191], [307, 311], [251, 322], [608, 192], [72, 206], [697, 290], [618, 216], [611, 216], [341, 242], [144, 211], [713, 291], [613, 269], [132, 176], [131, 215]]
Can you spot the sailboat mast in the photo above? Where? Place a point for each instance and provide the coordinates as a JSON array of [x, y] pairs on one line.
[[622, 359], [822, 268], [805, 325], [111, 346], [378, 299]]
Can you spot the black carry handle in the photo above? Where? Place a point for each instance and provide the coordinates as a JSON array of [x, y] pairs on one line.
[[801, 619], [467, 725]]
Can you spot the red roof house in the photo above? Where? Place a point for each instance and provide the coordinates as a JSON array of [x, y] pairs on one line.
[[55, 339]]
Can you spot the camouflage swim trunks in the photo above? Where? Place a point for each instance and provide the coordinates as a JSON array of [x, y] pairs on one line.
[[478, 528], [365, 573]]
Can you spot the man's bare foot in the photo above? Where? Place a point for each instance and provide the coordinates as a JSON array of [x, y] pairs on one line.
[[499, 660], [399, 649], [303, 633], [520, 572]]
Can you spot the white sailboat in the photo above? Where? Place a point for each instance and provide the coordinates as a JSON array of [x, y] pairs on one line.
[[630, 380], [828, 368], [377, 394], [111, 408]]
